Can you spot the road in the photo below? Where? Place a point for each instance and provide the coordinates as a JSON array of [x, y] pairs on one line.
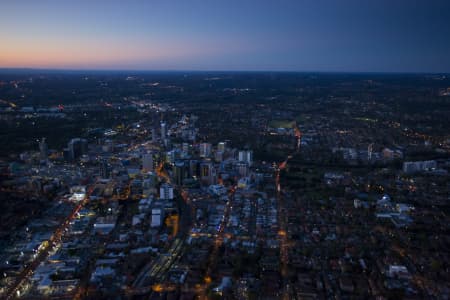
[[283, 236], [43, 253], [218, 241]]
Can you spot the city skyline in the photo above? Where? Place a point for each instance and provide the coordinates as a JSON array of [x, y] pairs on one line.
[[324, 36]]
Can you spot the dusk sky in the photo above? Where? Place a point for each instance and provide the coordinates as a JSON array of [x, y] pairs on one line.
[[301, 35]]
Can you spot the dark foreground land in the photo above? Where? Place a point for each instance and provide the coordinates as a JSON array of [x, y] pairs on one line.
[[286, 185]]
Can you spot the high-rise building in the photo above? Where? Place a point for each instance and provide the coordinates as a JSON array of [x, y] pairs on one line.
[[369, 152], [147, 162], [246, 156], [180, 172], [157, 217], [171, 156], [185, 149], [104, 169], [221, 147], [242, 168], [166, 191], [207, 173], [205, 149], [43, 150], [76, 148], [194, 170], [154, 136], [163, 131], [218, 156], [108, 146], [419, 166]]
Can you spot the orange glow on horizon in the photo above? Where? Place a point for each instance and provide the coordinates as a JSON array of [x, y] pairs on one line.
[[78, 55], [104, 53]]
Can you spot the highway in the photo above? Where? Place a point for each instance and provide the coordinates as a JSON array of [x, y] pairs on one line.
[[156, 270], [153, 274]]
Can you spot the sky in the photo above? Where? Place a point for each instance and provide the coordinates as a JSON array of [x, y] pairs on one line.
[[248, 35]]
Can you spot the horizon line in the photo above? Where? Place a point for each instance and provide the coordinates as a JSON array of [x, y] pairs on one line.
[[103, 70]]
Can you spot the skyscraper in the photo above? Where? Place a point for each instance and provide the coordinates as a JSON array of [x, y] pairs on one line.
[[154, 136], [76, 147], [166, 191], [221, 146], [185, 150], [207, 173], [43, 150], [242, 168], [163, 131], [194, 170], [104, 169], [369, 152], [205, 149], [246, 156], [180, 172], [147, 162]]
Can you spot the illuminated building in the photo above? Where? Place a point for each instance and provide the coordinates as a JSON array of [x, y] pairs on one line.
[[157, 217], [163, 131], [205, 149], [242, 169], [207, 173], [218, 156], [185, 150], [166, 191], [369, 152], [418, 166], [180, 172], [194, 170], [221, 146], [246, 156]]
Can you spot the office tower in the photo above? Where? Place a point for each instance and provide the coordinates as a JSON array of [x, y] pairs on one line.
[[76, 148], [166, 191], [242, 169], [43, 150], [185, 149], [207, 173], [163, 131], [171, 156], [194, 170], [205, 149], [419, 166], [108, 146], [246, 156], [104, 169], [180, 172], [221, 147], [154, 136], [157, 217], [218, 156], [147, 162]]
